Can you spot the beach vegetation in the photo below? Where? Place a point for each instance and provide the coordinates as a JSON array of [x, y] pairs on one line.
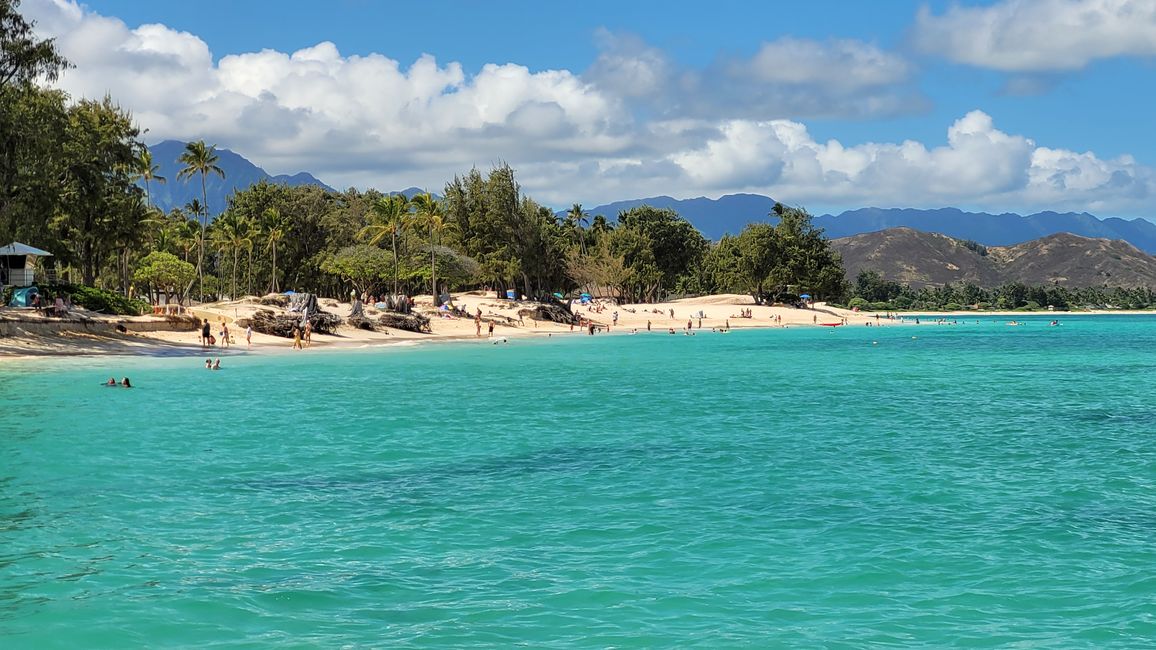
[[199, 159], [364, 267], [164, 273], [1006, 297], [99, 300]]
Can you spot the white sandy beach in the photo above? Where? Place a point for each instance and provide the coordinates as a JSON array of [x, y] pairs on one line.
[[35, 335]]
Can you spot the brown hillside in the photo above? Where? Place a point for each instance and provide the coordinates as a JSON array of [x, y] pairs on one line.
[[922, 259]]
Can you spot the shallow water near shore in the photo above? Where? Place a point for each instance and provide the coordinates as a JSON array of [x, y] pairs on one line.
[[975, 484]]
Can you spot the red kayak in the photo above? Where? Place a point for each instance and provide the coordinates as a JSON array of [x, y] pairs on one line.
[[830, 324]]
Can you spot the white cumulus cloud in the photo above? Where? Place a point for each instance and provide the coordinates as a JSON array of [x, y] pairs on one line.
[[627, 127], [1039, 35]]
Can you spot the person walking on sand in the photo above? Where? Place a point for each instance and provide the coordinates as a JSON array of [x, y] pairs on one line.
[[308, 333], [491, 334], [224, 333], [296, 338], [249, 336], [478, 324]]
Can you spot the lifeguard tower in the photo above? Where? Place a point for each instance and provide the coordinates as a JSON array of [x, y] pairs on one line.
[[18, 264]]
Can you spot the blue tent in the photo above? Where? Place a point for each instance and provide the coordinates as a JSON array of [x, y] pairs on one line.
[[23, 297], [805, 296]]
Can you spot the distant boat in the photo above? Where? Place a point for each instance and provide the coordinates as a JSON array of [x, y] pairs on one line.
[[830, 324]]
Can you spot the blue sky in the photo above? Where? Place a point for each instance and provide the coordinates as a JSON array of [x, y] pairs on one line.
[[1017, 105]]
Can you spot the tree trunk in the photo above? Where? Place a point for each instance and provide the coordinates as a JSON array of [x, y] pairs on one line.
[[236, 250], [273, 280], [201, 254], [433, 267], [395, 261]]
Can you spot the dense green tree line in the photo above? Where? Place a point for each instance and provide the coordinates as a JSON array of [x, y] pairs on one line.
[[872, 291]]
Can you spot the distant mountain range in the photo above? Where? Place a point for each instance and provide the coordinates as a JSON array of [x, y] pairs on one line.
[[239, 174], [713, 217], [731, 213], [930, 259]]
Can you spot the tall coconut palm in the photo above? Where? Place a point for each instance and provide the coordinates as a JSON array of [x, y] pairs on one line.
[[187, 234], [577, 218], [231, 234], [198, 158], [252, 234], [430, 213], [273, 227], [390, 215], [146, 170]]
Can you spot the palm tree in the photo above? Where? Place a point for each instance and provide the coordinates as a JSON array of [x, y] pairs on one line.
[[430, 212], [188, 231], [252, 232], [388, 216], [231, 233], [147, 171], [200, 159], [576, 218], [274, 231]]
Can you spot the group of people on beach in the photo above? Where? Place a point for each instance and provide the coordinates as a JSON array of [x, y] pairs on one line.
[[59, 306], [208, 340]]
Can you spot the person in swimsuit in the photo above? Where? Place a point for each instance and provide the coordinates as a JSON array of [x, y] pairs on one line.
[[205, 333]]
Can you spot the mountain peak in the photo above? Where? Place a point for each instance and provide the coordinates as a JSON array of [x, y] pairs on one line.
[[240, 173]]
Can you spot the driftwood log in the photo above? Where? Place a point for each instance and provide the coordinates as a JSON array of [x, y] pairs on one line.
[[360, 322], [408, 322], [549, 311], [266, 322]]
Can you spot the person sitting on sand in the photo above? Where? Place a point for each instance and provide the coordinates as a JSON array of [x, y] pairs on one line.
[[126, 383]]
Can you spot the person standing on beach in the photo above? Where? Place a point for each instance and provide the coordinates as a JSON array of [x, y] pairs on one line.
[[205, 330], [648, 325], [478, 324], [224, 333], [491, 335], [296, 338], [308, 333], [249, 336]]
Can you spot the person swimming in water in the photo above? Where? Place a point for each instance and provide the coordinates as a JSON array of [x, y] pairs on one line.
[[111, 381], [126, 383]]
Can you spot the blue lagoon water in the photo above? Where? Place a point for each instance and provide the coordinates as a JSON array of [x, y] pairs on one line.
[[971, 485]]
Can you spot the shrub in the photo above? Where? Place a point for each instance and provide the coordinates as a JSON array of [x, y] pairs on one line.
[[953, 306], [1030, 305], [101, 300], [858, 303]]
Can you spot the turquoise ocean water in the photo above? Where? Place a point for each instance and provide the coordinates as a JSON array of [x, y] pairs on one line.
[[978, 485]]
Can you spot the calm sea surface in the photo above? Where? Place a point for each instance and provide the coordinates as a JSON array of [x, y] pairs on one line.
[[972, 485]]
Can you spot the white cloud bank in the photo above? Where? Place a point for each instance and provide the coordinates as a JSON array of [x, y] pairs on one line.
[[1039, 35], [367, 121]]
